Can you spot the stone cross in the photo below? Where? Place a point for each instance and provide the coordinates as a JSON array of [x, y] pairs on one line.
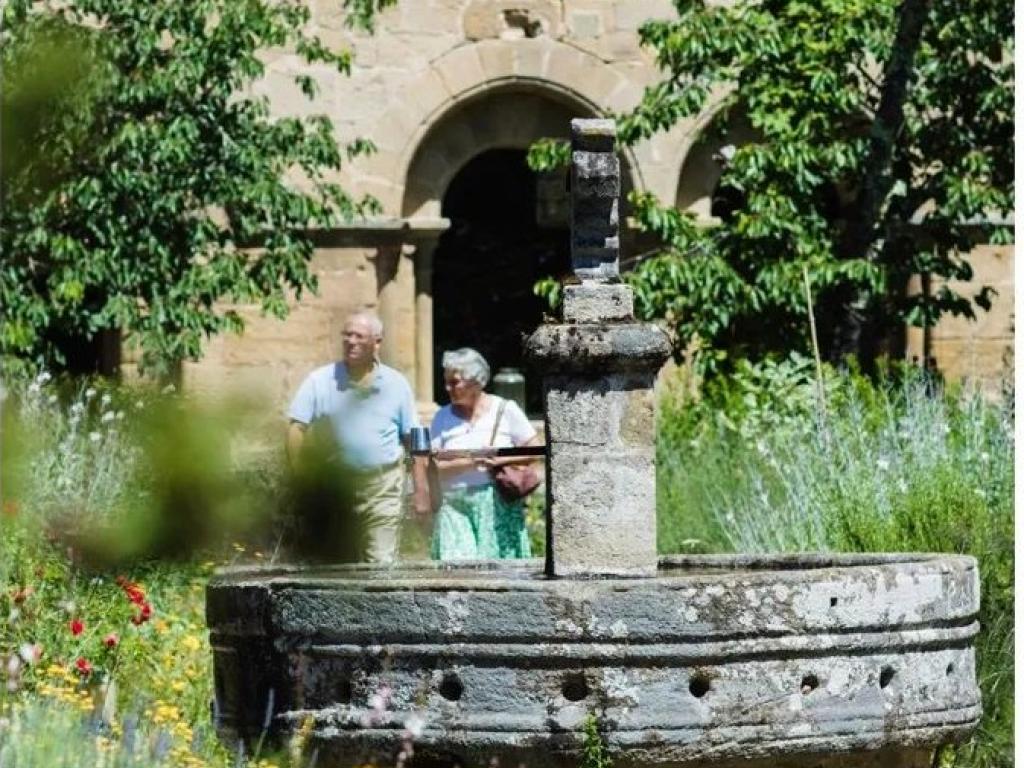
[[595, 200], [599, 366]]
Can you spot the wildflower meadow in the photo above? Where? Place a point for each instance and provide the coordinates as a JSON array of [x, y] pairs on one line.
[[104, 654]]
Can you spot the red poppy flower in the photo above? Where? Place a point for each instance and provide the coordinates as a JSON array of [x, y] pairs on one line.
[[76, 626], [83, 666], [145, 611], [111, 640], [135, 594]]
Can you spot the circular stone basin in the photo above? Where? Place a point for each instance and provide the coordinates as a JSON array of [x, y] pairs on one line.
[[807, 660]]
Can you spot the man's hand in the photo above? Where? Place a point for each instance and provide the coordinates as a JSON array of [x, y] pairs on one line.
[[421, 501]]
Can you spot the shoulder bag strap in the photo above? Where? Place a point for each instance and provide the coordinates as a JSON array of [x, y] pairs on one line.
[[497, 421]]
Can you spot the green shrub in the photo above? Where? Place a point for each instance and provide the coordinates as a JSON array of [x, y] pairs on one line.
[[760, 464]]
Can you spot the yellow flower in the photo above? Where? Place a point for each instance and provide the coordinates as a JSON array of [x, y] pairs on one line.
[[192, 643], [178, 686]]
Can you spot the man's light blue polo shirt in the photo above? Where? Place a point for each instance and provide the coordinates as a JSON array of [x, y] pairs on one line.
[[369, 422]]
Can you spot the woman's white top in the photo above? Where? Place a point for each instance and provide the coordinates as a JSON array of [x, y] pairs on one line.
[[450, 431]]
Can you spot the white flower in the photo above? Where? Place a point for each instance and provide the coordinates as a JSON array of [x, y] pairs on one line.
[[33, 388], [107, 416], [105, 400], [30, 652], [882, 464], [984, 456], [52, 399], [119, 415], [90, 393], [138, 405], [169, 389], [95, 437], [43, 377], [77, 409]]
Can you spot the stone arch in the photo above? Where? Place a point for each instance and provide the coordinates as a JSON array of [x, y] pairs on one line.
[[509, 114], [541, 65], [701, 169]]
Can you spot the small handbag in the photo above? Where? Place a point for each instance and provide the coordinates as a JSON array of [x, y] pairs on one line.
[[513, 481]]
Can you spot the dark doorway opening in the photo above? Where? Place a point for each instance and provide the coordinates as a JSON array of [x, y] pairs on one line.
[[501, 241]]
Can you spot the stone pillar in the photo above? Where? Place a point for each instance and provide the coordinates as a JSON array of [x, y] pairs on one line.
[[425, 320], [396, 306], [599, 367]]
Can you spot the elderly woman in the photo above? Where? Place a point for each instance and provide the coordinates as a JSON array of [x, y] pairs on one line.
[[474, 520]]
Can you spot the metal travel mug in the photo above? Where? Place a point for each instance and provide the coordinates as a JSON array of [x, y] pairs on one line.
[[419, 441]]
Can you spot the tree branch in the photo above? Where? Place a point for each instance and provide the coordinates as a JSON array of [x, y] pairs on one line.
[[860, 230]]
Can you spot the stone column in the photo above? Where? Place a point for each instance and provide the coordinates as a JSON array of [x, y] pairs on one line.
[[396, 302], [425, 320], [599, 367]]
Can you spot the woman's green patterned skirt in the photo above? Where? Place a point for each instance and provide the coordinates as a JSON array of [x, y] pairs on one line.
[[478, 524]]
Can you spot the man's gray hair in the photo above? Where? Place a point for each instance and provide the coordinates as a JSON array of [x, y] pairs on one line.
[[370, 320], [468, 363]]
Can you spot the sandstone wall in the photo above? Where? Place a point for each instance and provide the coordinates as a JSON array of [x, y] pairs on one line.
[[439, 82]]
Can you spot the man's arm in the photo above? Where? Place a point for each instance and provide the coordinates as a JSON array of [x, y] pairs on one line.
[[294, 440]]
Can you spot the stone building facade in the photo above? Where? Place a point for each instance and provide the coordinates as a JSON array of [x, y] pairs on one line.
[[452, 92]]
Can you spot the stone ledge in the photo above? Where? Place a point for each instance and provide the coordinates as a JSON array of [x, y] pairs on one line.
[[597, 302], [598, 348], [797, 661]]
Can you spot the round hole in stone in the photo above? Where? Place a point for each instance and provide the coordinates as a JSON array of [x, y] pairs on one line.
[[451, 686], [808, 684], [886, 676], [574, 687], [949, 668], [700, 684], [833, 602], [343, 691]]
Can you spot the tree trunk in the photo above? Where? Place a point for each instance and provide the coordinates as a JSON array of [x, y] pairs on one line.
[[862, 223]]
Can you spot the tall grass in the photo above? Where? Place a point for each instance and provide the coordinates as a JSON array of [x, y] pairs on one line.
[[104, 653], [758, 465]]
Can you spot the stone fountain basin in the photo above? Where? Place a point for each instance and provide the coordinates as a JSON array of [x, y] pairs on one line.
[[786, 660]]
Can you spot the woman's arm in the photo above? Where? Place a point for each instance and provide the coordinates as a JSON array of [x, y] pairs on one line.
[[449, 467]]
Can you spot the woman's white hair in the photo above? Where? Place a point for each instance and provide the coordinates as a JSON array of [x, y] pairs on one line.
[[468, 363]]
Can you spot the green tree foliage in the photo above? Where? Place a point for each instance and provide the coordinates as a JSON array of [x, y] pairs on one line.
[[144, 181], [883, 150]]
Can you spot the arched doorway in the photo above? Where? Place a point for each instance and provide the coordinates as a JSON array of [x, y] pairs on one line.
[[470, 167], [505, 235]]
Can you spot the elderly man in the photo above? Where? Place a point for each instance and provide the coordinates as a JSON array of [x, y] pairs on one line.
[[369, 409]]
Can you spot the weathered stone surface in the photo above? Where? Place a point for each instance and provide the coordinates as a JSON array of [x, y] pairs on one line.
[[719, 661], [597, 302], [599, 348], [594, 178], [593, 135], [615, 411], [602, 510]]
